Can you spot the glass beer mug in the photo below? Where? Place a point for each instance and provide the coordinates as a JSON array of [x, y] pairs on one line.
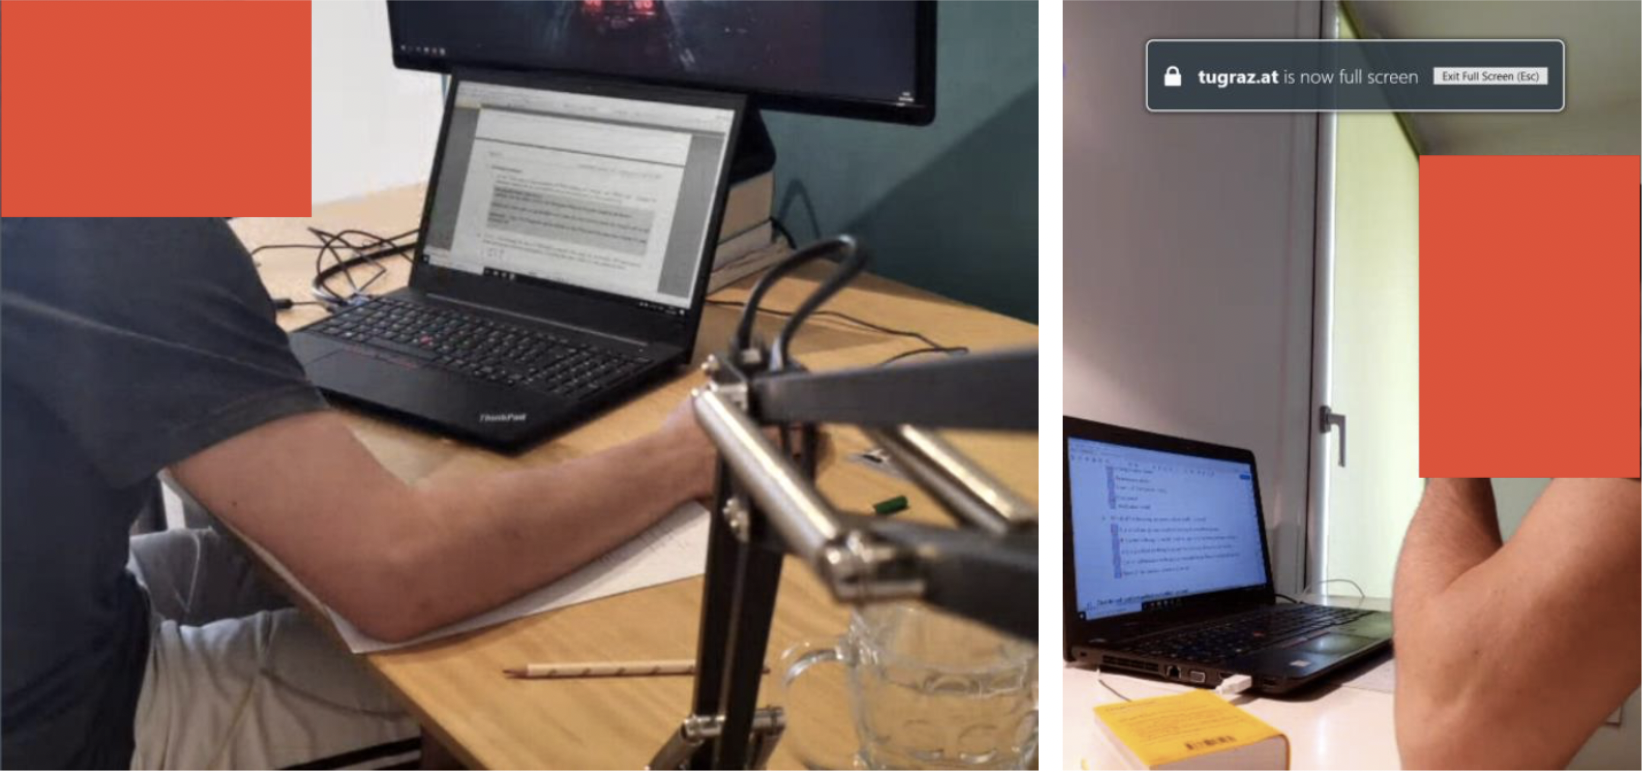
[[925, 690]]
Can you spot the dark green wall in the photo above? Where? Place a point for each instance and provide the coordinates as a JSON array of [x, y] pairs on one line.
[[951, 207]]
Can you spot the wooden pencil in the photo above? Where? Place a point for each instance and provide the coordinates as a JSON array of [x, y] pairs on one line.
[[641, 668]]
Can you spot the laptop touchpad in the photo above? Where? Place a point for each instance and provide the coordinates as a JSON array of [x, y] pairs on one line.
[[1333, 643]]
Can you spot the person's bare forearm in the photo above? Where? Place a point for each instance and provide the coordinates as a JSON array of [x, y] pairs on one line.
[[1454, 528], [1477, 621], [483, 540], [397, 559]]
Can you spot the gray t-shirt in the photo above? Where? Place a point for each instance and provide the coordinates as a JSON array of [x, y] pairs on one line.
[[125, 346]]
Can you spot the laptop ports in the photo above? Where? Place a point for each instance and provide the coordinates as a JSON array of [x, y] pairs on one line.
[[1199, 676], [1173, 672]]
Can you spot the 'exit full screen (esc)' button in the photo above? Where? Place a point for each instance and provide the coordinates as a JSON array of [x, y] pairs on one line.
[[1491, 76]]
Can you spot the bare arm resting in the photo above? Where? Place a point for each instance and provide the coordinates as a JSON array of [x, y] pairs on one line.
[[398, 560], [1510, 656]]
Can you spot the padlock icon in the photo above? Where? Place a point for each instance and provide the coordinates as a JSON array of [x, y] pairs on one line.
[[1171, 76]]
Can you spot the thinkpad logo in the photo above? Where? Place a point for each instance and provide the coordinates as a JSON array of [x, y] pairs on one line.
[[496, 418]]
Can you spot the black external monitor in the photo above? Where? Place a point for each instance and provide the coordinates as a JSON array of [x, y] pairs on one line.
[[871, 59]]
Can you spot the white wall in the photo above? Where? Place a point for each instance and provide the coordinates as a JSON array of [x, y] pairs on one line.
[[1614, 747], [1601, 129], [1512, 498], [374, 126], [1188, 238]]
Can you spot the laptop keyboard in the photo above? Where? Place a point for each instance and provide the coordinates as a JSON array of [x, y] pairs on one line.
[[482, 348], [1240, 636]]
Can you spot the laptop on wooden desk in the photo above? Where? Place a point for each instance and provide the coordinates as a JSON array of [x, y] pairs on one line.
[[562, 265], [1167, 571]]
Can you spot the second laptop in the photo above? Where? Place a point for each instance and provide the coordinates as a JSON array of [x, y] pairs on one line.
[[1168, 575]]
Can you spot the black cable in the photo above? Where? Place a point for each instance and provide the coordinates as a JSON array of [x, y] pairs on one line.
[[1360, 593], [370, 249], [329, 246], [839, 315], [744, 329], [322, 275], [1287, 598], [283, 304], [930, 346], [359, 252], [383, 247], [783, 313], [281, 246], [1109, 688], [953, 350], [320, 285], [922, 338], [377, 241], [852, 261], [817, 250], [775, 222]]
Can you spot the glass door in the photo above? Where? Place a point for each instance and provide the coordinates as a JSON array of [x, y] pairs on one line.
[[1366, 419]]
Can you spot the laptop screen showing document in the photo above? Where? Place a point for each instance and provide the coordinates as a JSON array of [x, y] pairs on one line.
[[610, 196], [1150, 527]]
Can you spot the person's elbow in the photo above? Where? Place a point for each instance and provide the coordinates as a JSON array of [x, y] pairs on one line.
[[386, 597], [386, 622], [386, 628], [1466, 731], [1450, 709], [1432, 692], [1430, 735]]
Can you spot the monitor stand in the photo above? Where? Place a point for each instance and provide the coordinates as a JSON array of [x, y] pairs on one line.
[[754, 152]]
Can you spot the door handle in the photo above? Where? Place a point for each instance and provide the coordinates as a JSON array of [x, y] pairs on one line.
[[1328, 420]]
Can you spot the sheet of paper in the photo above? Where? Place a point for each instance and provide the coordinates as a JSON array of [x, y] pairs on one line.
[[673, 549]]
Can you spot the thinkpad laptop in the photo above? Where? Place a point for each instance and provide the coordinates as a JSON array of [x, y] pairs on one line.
[[563, 259], [1167, 571]]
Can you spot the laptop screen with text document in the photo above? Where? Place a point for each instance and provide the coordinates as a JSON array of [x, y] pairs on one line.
[[1149, 526], [604, 194]]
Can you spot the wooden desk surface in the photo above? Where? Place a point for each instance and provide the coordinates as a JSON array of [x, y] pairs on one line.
[[455, 686]]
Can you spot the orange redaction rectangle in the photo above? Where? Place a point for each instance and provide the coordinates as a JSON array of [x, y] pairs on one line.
[[156, 107], [1529, 316]]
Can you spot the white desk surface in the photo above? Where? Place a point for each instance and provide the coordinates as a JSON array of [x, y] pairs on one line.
[[1331, 727]]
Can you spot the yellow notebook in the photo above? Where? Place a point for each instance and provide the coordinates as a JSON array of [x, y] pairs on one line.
[[1195, 730]]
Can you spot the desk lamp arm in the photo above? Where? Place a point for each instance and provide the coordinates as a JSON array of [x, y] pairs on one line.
[[767, 506], [865, 560]]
